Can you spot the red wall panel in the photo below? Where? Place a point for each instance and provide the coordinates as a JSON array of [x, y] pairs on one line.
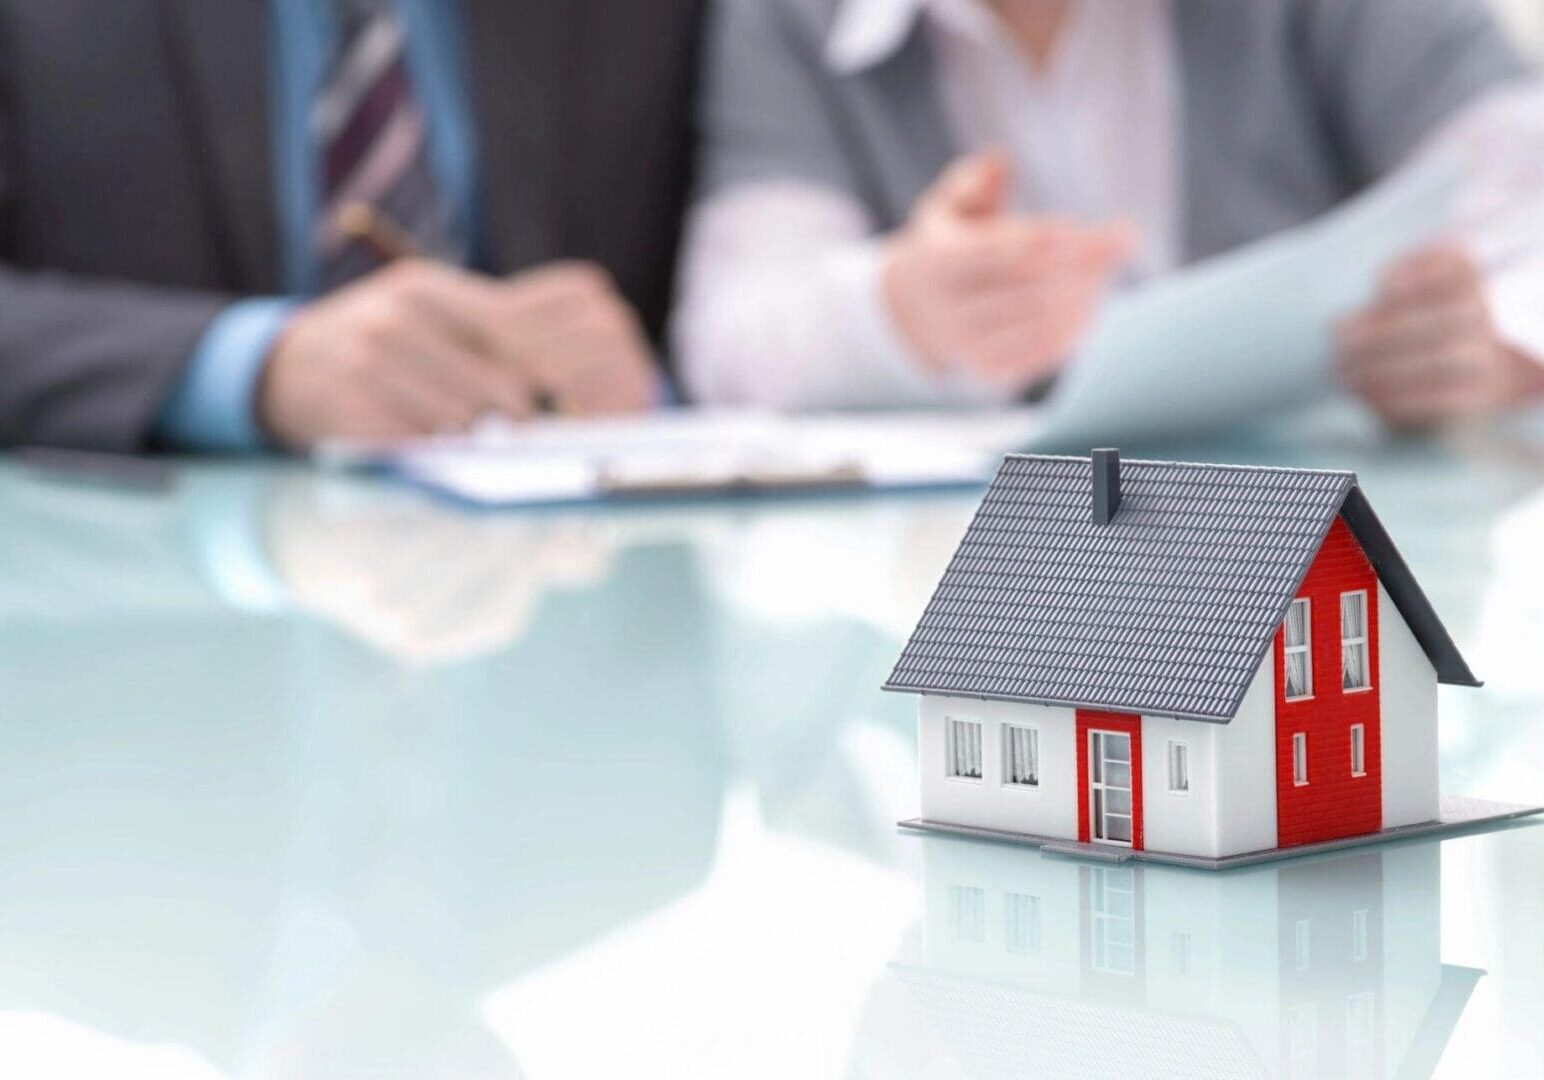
[[1333, 804]]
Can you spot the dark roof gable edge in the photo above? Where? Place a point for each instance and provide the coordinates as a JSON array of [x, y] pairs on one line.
[[1406, 592]]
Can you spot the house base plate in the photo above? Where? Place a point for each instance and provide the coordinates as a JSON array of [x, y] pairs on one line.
[[1459, 815]]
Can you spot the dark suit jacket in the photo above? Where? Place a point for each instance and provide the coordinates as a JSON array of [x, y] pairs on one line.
[[137, 200]]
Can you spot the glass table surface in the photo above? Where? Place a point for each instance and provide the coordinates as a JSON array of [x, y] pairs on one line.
[[307, 775]]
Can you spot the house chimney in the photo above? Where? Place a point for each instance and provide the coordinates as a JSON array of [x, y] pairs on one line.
[[1106, 485]]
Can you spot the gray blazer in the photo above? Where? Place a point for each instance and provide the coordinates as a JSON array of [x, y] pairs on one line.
[[137, 200], [1289, 106]]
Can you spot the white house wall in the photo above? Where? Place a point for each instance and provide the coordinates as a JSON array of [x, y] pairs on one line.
[[1231, 806], [1185, 824], [1051, 809], [1246, 770], [1408, 694]]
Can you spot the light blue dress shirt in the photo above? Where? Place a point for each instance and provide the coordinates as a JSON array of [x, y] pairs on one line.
[[211, 407]]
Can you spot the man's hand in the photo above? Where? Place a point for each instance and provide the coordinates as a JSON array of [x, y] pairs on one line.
[[1426, 351], [1003, 297], [420, 348], [566, 327]]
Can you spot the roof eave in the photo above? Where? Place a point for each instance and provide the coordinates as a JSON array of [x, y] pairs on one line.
[[1167, 714]]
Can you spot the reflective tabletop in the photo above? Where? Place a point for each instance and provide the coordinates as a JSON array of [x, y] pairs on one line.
[[307, 775]]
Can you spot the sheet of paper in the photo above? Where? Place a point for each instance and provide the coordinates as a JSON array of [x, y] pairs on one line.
[[1248, 333], [703, 452]]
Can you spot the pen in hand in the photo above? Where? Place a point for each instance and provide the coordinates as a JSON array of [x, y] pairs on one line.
[[362, 222]]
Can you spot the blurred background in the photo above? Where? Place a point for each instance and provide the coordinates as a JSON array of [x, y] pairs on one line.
[[467, 469], [1526, 20]]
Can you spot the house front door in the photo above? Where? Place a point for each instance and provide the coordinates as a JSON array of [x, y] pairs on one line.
[[1109, 786], [1110, 766]]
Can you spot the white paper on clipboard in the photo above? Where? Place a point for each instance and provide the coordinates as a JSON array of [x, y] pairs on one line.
[[703, 452]]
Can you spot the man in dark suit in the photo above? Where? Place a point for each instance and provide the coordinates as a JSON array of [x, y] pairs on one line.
[[199, 200]]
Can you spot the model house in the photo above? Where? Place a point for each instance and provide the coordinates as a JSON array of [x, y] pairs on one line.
[[1199, 663], [1323, 967]]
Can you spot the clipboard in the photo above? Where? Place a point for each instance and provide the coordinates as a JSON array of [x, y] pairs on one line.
[[690, 454]]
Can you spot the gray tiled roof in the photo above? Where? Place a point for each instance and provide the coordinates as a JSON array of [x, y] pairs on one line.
[[1168, 610]]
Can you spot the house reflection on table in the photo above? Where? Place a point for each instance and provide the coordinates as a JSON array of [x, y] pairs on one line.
[[1328, 967]]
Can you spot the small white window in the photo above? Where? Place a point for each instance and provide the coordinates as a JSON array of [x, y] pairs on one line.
[[1179, 768], [1021, 756], [964, 757], [1358, 749], [1300, 759], [1355, 671], [967, 911], [1298, 651], [1180, 949], [1022, 924], [1359, 935], [1302, 943]]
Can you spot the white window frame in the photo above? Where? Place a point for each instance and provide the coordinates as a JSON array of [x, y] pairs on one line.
[[1362, 643], [1023, 924], [1306, 649], [957, 753], [1180, 948], [1179, 767], [1358, 750], [1300, 775], [1359, 946], [1033, 734], [967, 913]]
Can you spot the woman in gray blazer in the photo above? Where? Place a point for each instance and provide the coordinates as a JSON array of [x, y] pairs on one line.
[[922, 201]]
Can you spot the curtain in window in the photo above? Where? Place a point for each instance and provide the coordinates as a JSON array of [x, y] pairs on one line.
[[1353, 623], [1297, 624], [1353, 637], [1297, 674], [1022, 753], [1299, 682], [1353, 662], [965, 749]]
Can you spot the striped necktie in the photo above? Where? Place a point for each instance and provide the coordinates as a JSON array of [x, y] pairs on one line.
[[372, 137]]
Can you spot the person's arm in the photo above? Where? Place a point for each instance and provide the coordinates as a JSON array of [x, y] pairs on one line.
[[88, 363], [1441, 340], [781, 305], [787, 298], [1455, 331], [1388, 77], [779, 300], [211, 407], [85, 362]]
